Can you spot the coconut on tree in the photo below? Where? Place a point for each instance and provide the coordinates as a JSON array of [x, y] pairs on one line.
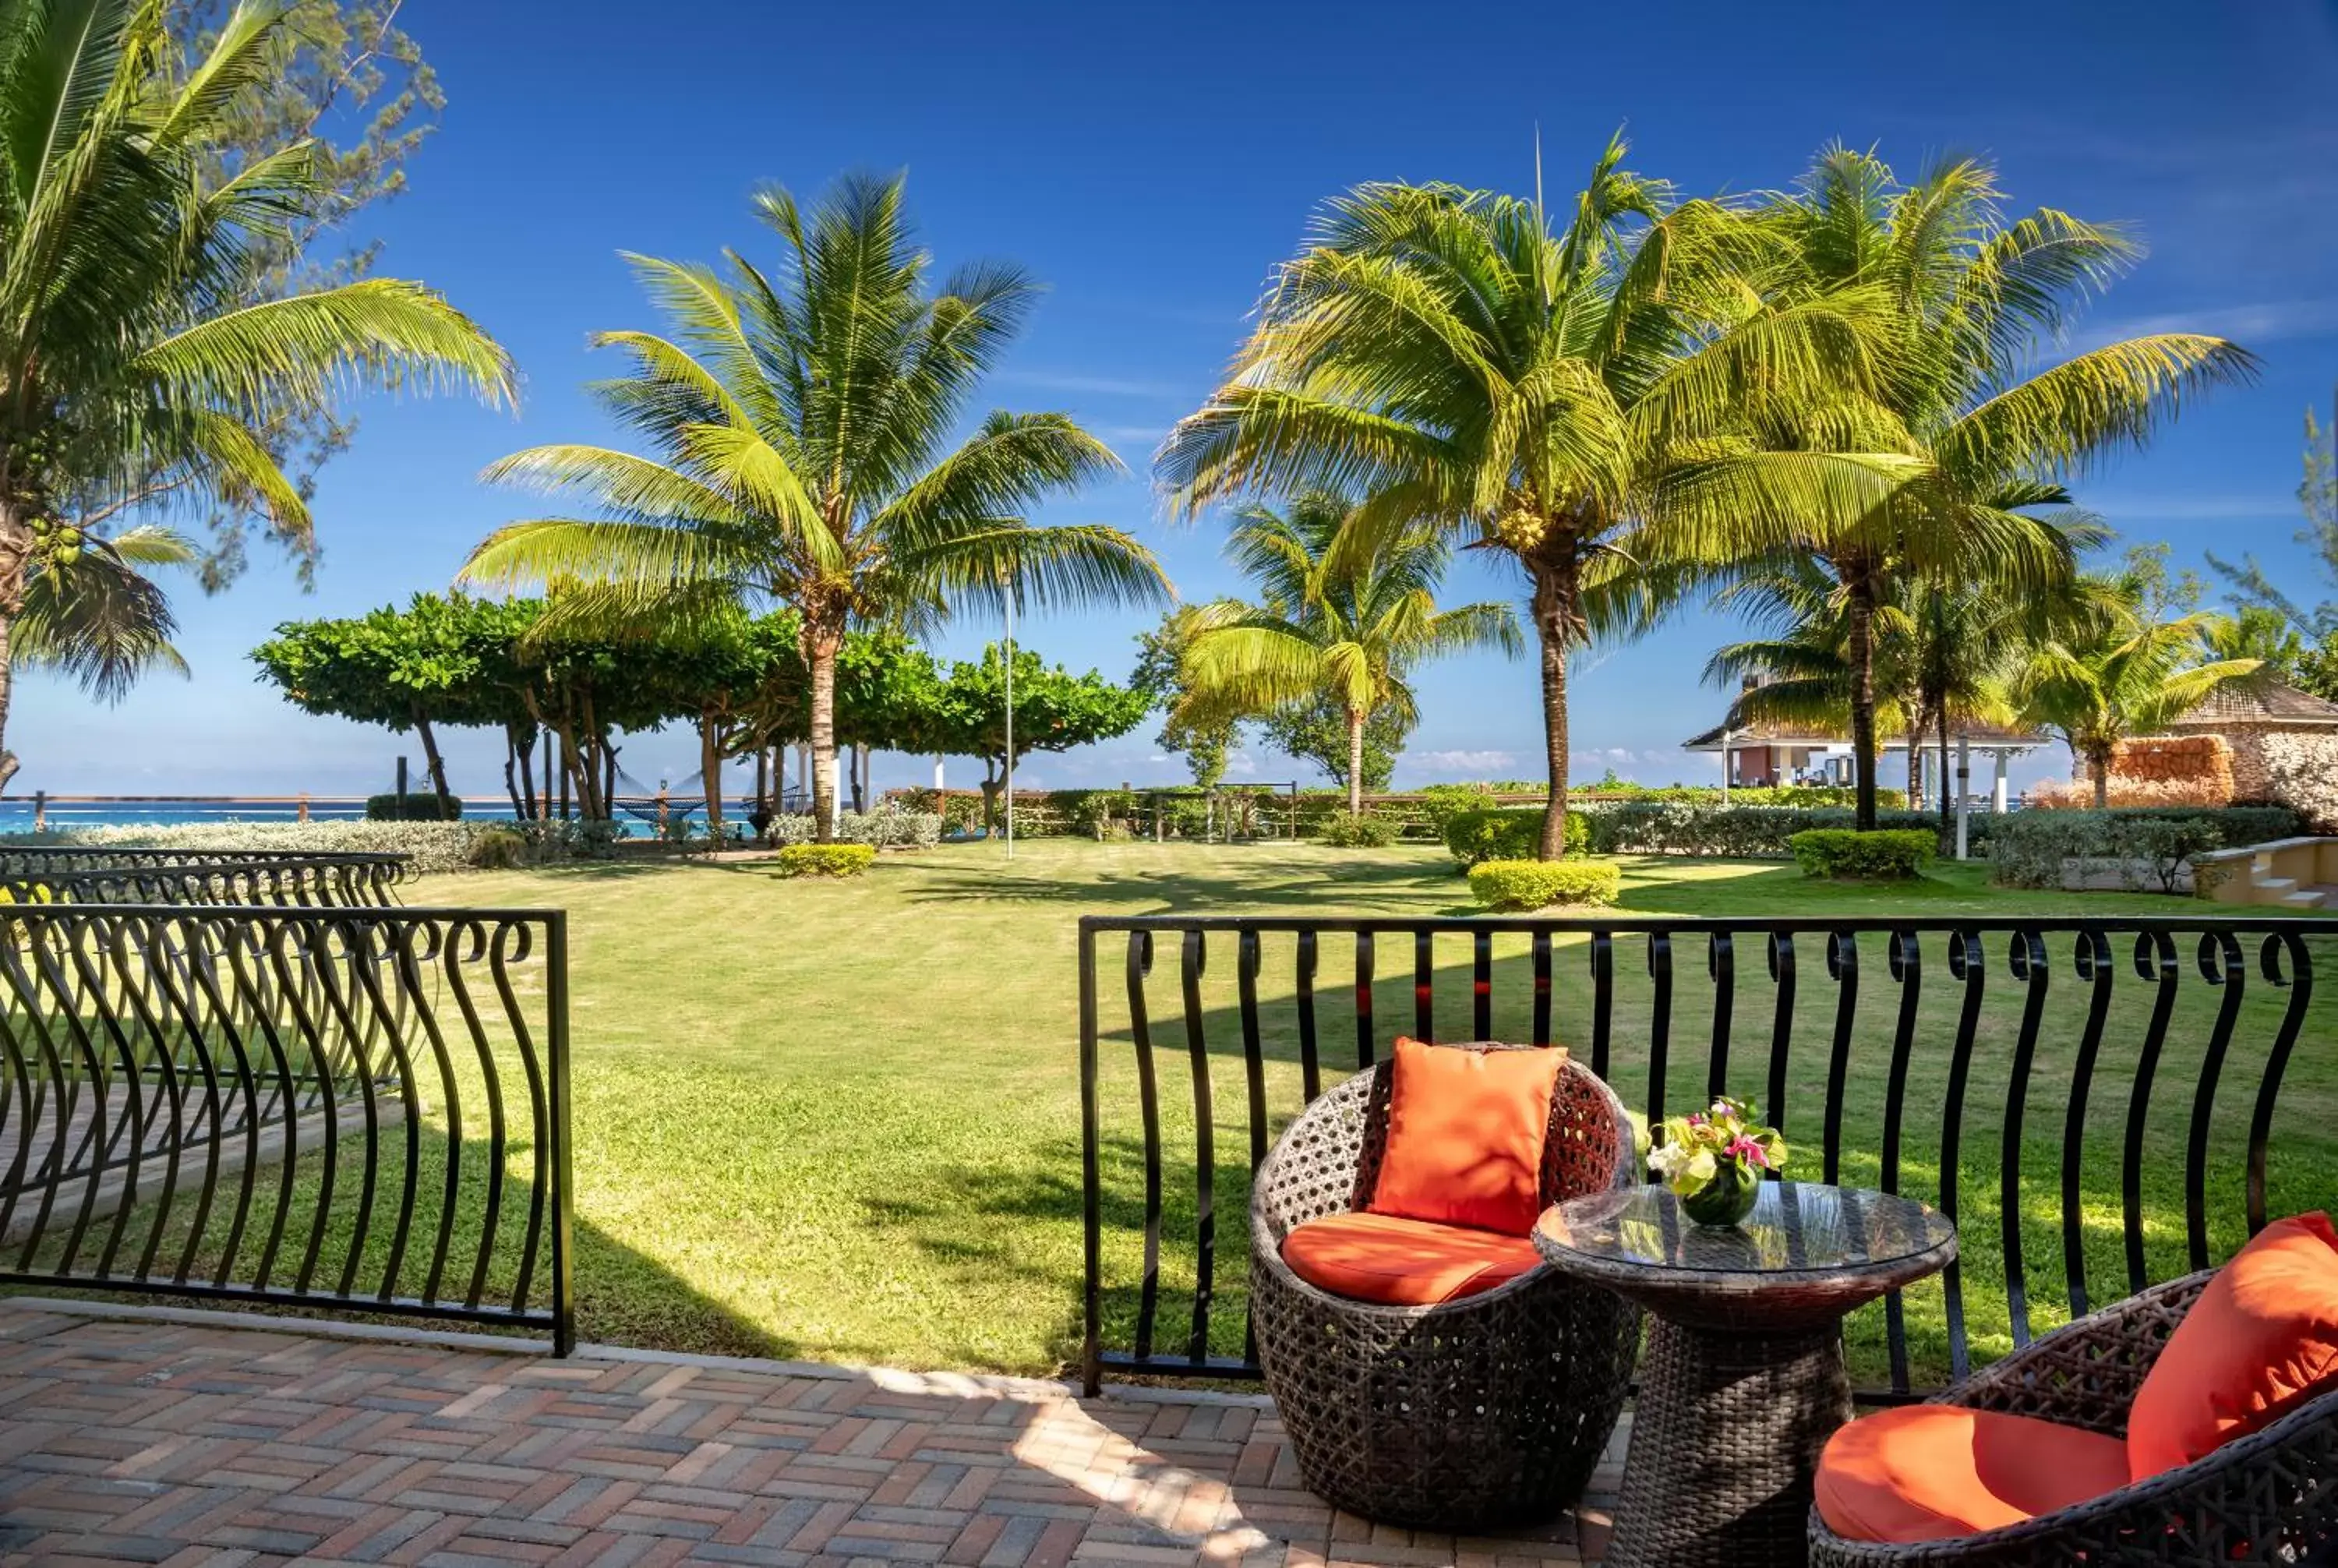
[[1346, 610], [806, 448], [137, 361]]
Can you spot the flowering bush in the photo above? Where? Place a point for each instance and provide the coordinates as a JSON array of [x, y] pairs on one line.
[[889, 826], [1721, 1146], [2303, 775]]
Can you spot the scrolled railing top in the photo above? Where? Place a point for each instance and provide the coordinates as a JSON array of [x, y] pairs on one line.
[[325, 879]]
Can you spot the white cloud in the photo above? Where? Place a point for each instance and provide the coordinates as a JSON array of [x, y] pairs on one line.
[[2119, 509], [2265, 321], [1074, 381], [1241, 765], [1463, 762]]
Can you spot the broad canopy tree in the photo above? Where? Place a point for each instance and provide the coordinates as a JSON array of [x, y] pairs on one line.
[[1055, 710]]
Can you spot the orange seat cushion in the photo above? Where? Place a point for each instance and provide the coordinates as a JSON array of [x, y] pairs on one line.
[[1465, 1136], [1937, 1471], [1403, 1262], [2261, 1340]]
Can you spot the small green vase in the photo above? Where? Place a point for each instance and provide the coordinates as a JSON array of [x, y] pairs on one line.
[[1727, 1199]]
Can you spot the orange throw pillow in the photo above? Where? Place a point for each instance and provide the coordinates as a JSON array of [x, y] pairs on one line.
[[1403, 1262], [2261, 1340], [1937, 1472], [1465, 1135]]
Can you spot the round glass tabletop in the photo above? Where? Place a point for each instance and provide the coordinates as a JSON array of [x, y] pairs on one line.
[[1796, 1229]]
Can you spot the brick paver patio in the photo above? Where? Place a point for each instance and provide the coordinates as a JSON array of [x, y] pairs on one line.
[[184, 1444]]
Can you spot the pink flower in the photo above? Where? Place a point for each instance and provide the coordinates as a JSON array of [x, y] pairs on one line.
[[1746, 1149], [1696, 1119]]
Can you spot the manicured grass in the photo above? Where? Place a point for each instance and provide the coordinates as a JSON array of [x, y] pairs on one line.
[[840, 1118]]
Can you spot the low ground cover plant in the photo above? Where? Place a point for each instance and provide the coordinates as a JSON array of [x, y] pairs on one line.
[[1516, 885], [1842, 854], [826, 859]]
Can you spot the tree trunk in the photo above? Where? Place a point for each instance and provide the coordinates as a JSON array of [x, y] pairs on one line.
[[1863, 692], [1916, 762], [860, 775], [1948, 788], [1355, 761], [821, 643], [511, 776], [2099, 758], [710, 771], [523, 745], [1554, 612], [7, 684], [438, 764]]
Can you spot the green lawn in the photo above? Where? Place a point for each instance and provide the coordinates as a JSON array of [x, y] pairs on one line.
[[840, 1120]]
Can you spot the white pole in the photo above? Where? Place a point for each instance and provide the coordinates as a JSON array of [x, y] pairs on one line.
[[1725, 767], [1997, 793], [1010, 720], [939, 784], [1964, 793]]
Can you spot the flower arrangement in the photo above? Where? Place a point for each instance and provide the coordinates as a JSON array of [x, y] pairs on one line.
[[1713, 1160]]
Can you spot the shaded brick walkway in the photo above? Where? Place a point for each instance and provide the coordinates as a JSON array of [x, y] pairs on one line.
[[139, 1442]]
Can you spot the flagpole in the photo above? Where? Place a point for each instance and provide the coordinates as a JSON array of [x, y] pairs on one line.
[[1010, 718]]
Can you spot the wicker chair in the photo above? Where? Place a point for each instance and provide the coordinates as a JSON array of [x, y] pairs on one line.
[[1489, 1410], [2269, 1497]]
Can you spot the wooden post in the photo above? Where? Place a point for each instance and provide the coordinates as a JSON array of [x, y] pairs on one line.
[[401, 779], [40, 810], [303, 814]]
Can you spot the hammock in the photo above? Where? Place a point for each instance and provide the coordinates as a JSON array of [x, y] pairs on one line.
[[674, 803]]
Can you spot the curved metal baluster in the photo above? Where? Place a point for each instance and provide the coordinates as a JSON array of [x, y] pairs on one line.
[[1481, 984], [2221, 965], [103, 1131], [1660, 1020], [1140, 967], [1969, 966], [1424, 987], [201, 998], [1367, 1046], [2299, 983], [513, 942], [155, 969], [251, 957], [2025, 957], [1310, 1066], [409, 979], [1603, 999], [1721, 968], [1539, 956], [1193, 954], [2092, 960], [1904, 962], [2155, 959], [360, 939], [455, 958], [1781, 958], [1254, 1052], [1842, 967]]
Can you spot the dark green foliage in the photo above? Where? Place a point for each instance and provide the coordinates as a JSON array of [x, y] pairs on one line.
[[826, 859], [1658, 827], [1521, 884], [1316, 733], [2030, 848], [1509, 833], [1888, 855], [1358, 831], [415, 806], [499, 850]]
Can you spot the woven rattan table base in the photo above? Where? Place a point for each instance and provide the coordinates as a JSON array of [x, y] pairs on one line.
[[1726, 1439]]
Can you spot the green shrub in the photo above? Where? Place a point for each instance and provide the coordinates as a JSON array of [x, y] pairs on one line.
[[1738, 832], [1360, 830], [1886, 855], [1509, 833], [499, 850], [414, 806], [1512, 884], [826, 859], [2146, 845]]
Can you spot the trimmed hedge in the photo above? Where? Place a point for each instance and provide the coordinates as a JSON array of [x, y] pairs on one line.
[[1846, 854], [414, 806], [826, 859], [1749, 832], [1509, 833], [1361, 831], [2145, 845], [1514, 884], [889, 827], [434, 846]]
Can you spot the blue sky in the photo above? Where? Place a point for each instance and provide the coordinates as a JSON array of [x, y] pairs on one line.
[[1151, 163]]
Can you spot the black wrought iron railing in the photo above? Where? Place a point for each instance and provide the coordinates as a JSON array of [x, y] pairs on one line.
[[357, 1109], [2098, 1102], [104, 874], [342, 882]]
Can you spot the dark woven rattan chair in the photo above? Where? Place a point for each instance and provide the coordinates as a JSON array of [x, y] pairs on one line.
[[2268, 1497], [1489, 1410]]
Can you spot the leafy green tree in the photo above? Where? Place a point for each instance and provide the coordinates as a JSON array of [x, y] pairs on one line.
[[1346, 611], [1316, 733], [1960, 454], [129, 353], [1055, 710], [2122, 672], [1452, 355], [800, 426], [1204, 743]]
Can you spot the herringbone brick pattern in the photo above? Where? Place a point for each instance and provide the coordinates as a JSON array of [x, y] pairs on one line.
[[138, 1442]]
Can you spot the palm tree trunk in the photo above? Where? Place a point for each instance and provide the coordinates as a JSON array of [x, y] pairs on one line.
[[821, 645], [1355, 761], [710, 771], [1554, 612], [2099, 758], [7, 685], [1916, 764], [1862, 693]]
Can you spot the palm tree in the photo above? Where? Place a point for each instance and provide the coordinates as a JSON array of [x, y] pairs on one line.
[[802, 429], [1966, 458], [1801, 673], [134, 366], [91, 613], [2121, 672], [1449, 354], [1346, 610]]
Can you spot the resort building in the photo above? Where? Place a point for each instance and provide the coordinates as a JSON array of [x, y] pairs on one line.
[[1766, 753]]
